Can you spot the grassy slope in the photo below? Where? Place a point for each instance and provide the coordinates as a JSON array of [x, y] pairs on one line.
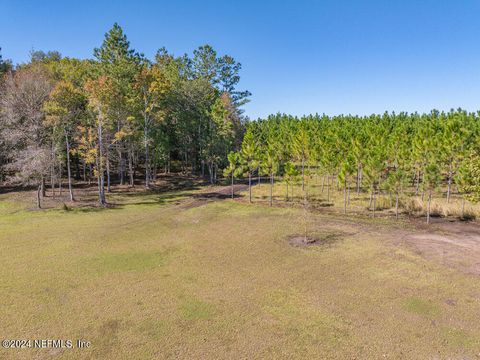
[[220, 281]]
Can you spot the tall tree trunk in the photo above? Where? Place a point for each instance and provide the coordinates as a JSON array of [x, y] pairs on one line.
[[210, 172], [345, 199], [52, 169], [130, 167], [155, 172], [39, 193], [428, 206], [449, 187], [69, 174], [90, 174], [101, 172], [328, 189], [43, 187], [358, 178], [250, 187], [233, 194], [374, 202], [271, 189], [147, 158], [52, 182], [305, 217], [303, 174], [121, 166], [107, 156], [417, 185], [52, 175], [396, 206], [286, 199], [361, 179], [60, 174]]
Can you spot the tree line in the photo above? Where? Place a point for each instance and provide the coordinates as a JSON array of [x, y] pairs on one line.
[[118, 117], [399, 154]]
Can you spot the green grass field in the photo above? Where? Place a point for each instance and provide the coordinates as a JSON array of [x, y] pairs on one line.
[[155, 279]]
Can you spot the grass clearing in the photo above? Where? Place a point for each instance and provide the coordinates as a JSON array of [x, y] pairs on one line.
[[151, 279]]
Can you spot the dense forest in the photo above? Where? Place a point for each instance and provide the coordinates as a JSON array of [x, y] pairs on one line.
[[119, 117], [396, 154]]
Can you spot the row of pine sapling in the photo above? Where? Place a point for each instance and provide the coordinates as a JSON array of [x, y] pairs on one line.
[[407, 156]]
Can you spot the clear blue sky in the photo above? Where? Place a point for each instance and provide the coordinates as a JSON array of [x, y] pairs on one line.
[[298, 57]]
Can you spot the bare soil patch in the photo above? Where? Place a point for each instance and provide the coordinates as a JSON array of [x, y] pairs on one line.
[[325, 239], [455, 244], [213, 194]]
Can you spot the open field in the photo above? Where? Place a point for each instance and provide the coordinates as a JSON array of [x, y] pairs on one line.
[[184, 272]]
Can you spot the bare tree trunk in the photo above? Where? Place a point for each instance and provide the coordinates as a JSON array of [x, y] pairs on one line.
[[52, 175], [52, 169], [130, 167], [43, 187], [396, 206], [233, 194], [39, 192], [361, 178], [374, 202], [305, 217], [449, 182], [147, 158], [428, 206], [417, 182], [107, 156], [286, 199], [67, 143], [463, 207], [271, 189], [121, 166], [328, 189], [90, 175], [345, 199], [101, 174], [358, 178], [250, 187], [155, 172], [60, 174], [303, 174]]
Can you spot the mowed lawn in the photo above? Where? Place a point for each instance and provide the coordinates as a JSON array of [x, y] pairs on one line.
[[221, 281]]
